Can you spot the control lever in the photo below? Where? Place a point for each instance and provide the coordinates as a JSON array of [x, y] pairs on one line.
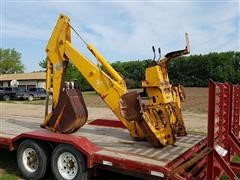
[[159, 52], [154, 57]]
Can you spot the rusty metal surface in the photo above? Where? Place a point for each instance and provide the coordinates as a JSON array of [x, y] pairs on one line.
[[70, 113], [130, 104], [130, 107]]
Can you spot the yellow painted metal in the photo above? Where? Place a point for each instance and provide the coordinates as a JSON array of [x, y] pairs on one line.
[[164, 98], [55, 53], [109, 89], [60, 50], [108, 67], [157, 84], [160, 115]]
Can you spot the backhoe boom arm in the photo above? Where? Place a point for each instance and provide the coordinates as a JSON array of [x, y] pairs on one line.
[[110, 87]]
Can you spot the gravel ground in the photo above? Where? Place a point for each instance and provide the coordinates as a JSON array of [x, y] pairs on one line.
[[195, 122]]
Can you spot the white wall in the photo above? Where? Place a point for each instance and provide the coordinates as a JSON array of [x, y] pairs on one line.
[[31, 83], [5, 84], [41, 84]]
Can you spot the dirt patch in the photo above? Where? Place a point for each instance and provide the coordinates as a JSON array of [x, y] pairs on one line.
[[38, 111], [194, 108], [196, 100], [194, 121]]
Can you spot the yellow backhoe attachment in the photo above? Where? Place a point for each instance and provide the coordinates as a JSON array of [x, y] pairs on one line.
[[154, 114], [164, 99]]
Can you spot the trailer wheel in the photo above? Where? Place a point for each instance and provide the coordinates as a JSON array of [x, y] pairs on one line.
[[32, 159], [68, 164]]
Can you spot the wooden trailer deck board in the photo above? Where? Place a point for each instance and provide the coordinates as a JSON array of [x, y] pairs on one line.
[[116, 142]]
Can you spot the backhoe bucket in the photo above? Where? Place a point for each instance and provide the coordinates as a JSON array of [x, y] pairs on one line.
[[70, 113]]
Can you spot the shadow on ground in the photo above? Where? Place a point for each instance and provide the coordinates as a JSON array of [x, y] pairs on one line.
[[8, 166]]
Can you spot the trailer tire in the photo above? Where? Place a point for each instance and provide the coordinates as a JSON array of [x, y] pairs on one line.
[[68, 163], [32, 159]]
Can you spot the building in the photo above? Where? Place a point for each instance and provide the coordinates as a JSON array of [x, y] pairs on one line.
[[26, 80]]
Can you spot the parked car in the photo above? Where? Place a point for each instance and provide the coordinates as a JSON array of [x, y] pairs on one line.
[[34, 93], [7, 93], [21, 93]]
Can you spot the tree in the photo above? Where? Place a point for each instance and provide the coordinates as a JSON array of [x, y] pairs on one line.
[[72, 74], [132, 71], [196, 70], [43, 64], [193, 71], [10, 61]]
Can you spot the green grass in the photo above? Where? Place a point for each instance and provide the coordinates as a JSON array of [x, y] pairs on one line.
[[91, 98], [236, 159], [8, 166], [34, 102], [6, 176]]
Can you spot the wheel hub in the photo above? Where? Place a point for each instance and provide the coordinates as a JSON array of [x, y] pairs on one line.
[[30, 160], [67, 165]]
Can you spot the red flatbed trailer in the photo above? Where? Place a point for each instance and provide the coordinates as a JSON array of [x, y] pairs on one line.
[[106, 144]]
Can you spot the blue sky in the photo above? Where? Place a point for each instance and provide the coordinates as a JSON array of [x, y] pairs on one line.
[[122, 30]]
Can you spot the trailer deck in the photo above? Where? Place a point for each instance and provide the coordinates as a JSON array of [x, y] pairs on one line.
[[117, 143], [113, 141]]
